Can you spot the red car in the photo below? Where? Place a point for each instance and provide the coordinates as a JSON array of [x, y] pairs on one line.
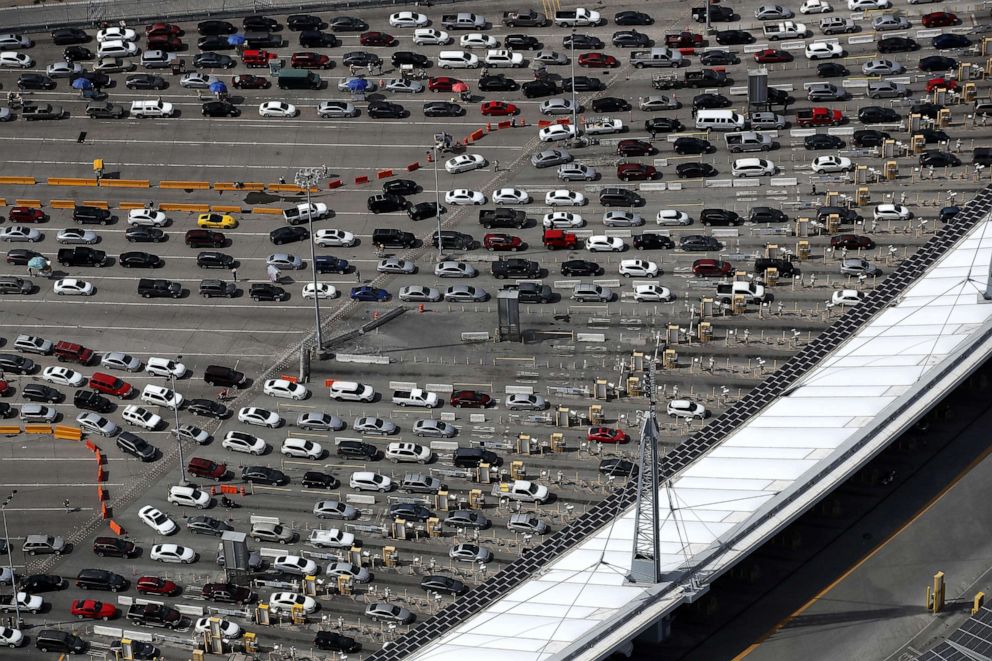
[[91, 609], [4, 387], [250, 82], [851, 242], [606, 435], [636, 172], [470, 399], [110, 385], [939, 19], [442, 83], [947, 83], [771, 56], [711, 268], [499, 108], [598, 61], [310, 60], [683, 40], [377, 39], [156, 585], [26, 215], [635, 148], [165, 42], [501, 242], [162, 29]]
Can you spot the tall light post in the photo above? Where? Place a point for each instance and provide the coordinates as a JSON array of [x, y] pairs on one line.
[[575, 108], [437, 202], [175, 409], [308, 178], [10, 556]]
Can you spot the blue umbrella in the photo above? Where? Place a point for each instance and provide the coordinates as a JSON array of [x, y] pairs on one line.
[[358, 84], [236, 39], [82, 84], [38, 263], [218, 87]]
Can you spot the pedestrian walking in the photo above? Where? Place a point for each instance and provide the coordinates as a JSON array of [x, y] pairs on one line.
[[65, 504], [813, 189], [358, 275], [495, 165], [234, 274]]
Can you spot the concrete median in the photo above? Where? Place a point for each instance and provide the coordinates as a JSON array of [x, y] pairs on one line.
[[266, 211], [125, 183], [185, 185], [18, 181], [193, 208], [34, 204], [80, 182], [253, 187]]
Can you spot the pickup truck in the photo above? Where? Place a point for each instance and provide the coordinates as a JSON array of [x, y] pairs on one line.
[[707, 78], [786, 30], [748, 141], [683, 39], [155, 615], [528, 19], [298, 214], [82, 256], [516, 268], [718, 14], [656, 57], [463, 21], [604, 126], [515, 218], [26, 603], [578, 17], [522, 490], [157, 288], [416, 397], [331, 539], [818, 116], [42, 111], [751, 292]]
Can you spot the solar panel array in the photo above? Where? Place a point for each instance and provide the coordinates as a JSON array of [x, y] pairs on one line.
[[974, 636], [700, 443]]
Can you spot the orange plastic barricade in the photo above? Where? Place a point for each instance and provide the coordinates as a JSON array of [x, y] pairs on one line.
[[290, 378], [101, 494], [328, 383], [361, 180], [22, 181], [543, 123], [34, 204], [104, 511], [336, 183], [67, 433], [185, 185], [100, 475], [382, 174], [101, 204], [504, 125], [9, 430], [116, 527], [413, 166], [72, 181], [91, 447], [125, 183], [266, 211], [37, 429]]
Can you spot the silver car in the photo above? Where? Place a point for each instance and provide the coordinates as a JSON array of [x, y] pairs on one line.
[[381, 610], [197, 81], [75, 235], [358, 574], [319, 421], [577, 172], [526, 403], [396, 265], [659, 102], [64, 69], [333, 509], [881, 67], [96, 424], [419, 293], [550, 57], [329, 109], [462, 293], [884, 89], [372, 425], [550, 158], [557, 106], [434, 428], [622, 219], [887, 22], [281, 260]]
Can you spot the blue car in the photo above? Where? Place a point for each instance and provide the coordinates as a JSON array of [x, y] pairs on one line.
[[367, 293], [948, 213], [329, 264], [949, 41]]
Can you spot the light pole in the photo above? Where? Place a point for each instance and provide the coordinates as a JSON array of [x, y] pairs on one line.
[[308, 178], [10, 556], [575, 108], [175, 409], [437, 204]]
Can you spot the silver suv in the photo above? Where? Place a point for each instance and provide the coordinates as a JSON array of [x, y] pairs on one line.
[[47, 544], [272, 532], [825, 92], [586, 291], [577, 172]]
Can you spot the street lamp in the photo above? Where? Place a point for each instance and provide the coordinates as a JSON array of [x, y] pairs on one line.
[[437, 203], [308, 178], [575, 108], [10, 555], [175, 409]]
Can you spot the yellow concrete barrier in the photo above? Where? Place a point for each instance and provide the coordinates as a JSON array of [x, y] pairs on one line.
[[290, 188], [195, 208], [68, 433], [125, 183], [62, 204], [3, 201], [185, 185], [225, 208], [71, 181], [102, 204], [267, 211], [224, 185], [35, 204], [132, 205], [9, 430], [37, 429], [24, 181]]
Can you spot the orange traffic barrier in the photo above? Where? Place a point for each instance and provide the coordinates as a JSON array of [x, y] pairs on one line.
[[101, 494], [125, 183], [228, 488], [127, 206], [519, 122], [412, 167], [271, 211], [9, 430], [185, 185], [195, 208], [289, 188], [34, 204], [421, 308], [101, 459], [37, 429], [383, 174], [243, 491], [92, 447], [489, 127], [505, 125], [256, 187], [290, 378], [3, 202], [72, 181], [104, 511], [24, 181], [564, 121], [336, 183], [102, 204], [543, 123], [687, 51], [226, 208], [328, 383], [116, 527], [361, 180], [100, 475], [61, 204], [66, 433]]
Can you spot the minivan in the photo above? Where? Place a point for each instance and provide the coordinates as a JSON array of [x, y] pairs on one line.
[[260, 39], [472, 457], [457, 59], [101, 579], [351, 391], [53, 640], [720, 120], [10, 284], [218, 375], [155, 108]]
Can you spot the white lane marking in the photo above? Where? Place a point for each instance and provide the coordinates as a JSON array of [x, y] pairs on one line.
[[163, 329]]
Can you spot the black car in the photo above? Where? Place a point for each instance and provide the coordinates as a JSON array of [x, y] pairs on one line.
[[214, 42], [733, 37], [259, 23], [21, 256], [537, 88], [930, 110], [931, 136], [329, 264], [409, 511], [38, 392], [288, 234], [581, 267], [948, 41], [227, 593], [145, 81], [402, 57], [141, 234], [443, 585], [360, 58], [718, 14], [66, 36], [215, 27], [619, 197], [85, 214], [610, 104], [401, 187], [877, 115], [766, 215], [318, 480], [207, 408], [699, 243], [521, 42], [718, 58], [693, 146], [139, 260], [695, 170], [135, 446], [318, 39], [822, 141], [662, 125], [91, 401], [618, 467], [582, 42], [443, 109], [386, 110], [36, 583], [831, 70], [299, 22], [721, 217], [582, 84], [206, 525], [35, 81], [348, 24], [632, 18], [939, 159], [631, 39], [947, 213], [652, 242], [869, 138], [263, 291], [708, 101], [336, 642], [263, 475], [531, 292], [77, 54], [896, 45], [497, 83], [7, 411], [423, 210], [938, 63], [214, 260], [211, 60], [386, 203], [219, 109]]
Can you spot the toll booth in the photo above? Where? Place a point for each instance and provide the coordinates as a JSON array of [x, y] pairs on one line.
[[261, 615], [771, 277], [739, 304], [441, 501], [557, 442], [706, 307], [802, 227], [771, 251], [250, 640], [390, 556], [670, 359], [943, 117], [596, 411], [862, 196], [434, 527], [740, 276], [563, 417], [970, 92], [891, 170], [517, 470], [917, 143], [476, 499], [345, 585], [601, 389], [310, 586], [398, 529], [524, 444], [637, 361], [672, 334], [705, 332], [802, 250], [915, 122]]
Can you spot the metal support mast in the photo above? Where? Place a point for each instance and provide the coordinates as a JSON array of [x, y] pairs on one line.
[[645, 565]]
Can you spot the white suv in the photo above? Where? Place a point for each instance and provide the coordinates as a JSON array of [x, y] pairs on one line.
[[351, 391], [189, 497], [161, 396]]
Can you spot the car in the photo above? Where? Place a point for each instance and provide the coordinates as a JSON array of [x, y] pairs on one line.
[[937, 63], [284, 261], [562, 220], [147, 217], [116, 33], [77, 53], [846, 297], [855, 5], [396, 265], [191, 433], [477, 40], [20, 234], [408, 19], [419, 293], [37, 392], [368, 293], [610, 104], [548, 158], [662, 125], [381, 610], [408, 452], [197, 80], [939, 159], [91, 609], [711, 268], [870, 138], [597, 60], [334, 237], [772, 12], [119, 360], [822, 50], [212, 60], [237, 441], [216, 221], [369, 481], [558, 106], [35, 81], [550, 57], [207, 408], [939, 19], [632, 18], [333, 509], [375, 38], [772, 56], [636, 172], [470, 553], [157, 521], [20, 256], [228, 630], [277, 109], [516, 41], [891, 212], [470, 399], [443, 109], [430, 37], [638, 268], [253, 415], [617, 218], [881, 67], [695, 170], [699, 243], [250, 82], [652, 241], [557, 132], [512, 196], [577, 172], [896, 45], [831, 70], [947, 214], [878, 115], [465, 163], [829, 164], [454, 269], [263, 475], [67, 69], [14, 60], [858, 267], [494, 83], [602, 243], [617, 467], [686, 408], [319, 421], [465, 293], [285, 389], [62, 376], [93, 423], [35, 583], [564, 197], [822, 141], [287, 602], [64, 36], [464, 196], [851, 242], [651, 293]]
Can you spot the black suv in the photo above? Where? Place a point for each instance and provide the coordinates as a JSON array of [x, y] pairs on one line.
[[652, 241], [217, 289], [101, 579], [720, 217], [288, 234], [767, 215], [409, 511], [10, 362], [86, 215], [784, 266], [699, 243], [263, 291], [67, 36], [38, 392], [356, 450], [451, 239], [219, 109], [318, 39], [847, 216], [135, 446], [531, 292], [392, 238], [423, 210], [521, 42], [538, 88], [407, 57], [227, 593], [878, 115], [497, 83], [619, 197], [214, 260], [516, 268], [330, 264], [386, 203], [318, 480], [205, 239], [298, 22], [89, 400], [870, 138]]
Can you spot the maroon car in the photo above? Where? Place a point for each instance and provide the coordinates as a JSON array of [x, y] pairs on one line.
[[470, 399], [442, 83], [598, 61], [635, 148], [851, 242], [377, 39], [156, 585], [310, 60], [636, 172], [26, 215], [250, 82], [166, 42], [162, 29], [711, 268], [494, 242], [606, 435]]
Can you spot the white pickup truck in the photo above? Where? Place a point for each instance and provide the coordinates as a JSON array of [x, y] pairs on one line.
[[301, 213], [578, 17], [416, 397], [331, 539], [522, 490], [751, 292], [786, 30]]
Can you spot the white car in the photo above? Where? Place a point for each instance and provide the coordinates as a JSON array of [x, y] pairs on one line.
[[823, 50], [686, 408], [619, 218], [772, 12], [753, 167], [419, 294], [302, 448], [253, 415], [369, 481], [76, 236], [323, 291], [277, 109], [638, 268], [404, 86], [122, 34], [161, 396], [20, 233], [673, 217], [824, 164], [557, 133], [477, 40], [157, 521], [659, 102], [861, 5], [465, 163], [408, 453], [238, 441], [503, 58], [562, 197], [146, 218], [228, 630], [651, 293], [141, 417], [519, 402], [73, 287], [10, 59], [294, 564], [173, 553], [464, 196], [165, 367], [97, 424], [562, 220], [334, 238], [285, 601], [605, 126], [815, 7], [408, 19], [602, 243], [557, 106], [64, 69], [117, 48], [63, 376], [118, 360], [510, 196], [891, 212], [881, 67], [550, 57], [847, 297], [11, 637], [285, 389], [396, 265], [196, 80], [452, 269], [430, 37]]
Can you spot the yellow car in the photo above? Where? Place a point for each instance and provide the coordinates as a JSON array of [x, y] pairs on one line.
[[216, 221]]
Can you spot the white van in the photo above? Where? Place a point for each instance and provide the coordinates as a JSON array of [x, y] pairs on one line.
[[156, 108], [720, 120], [457, 59], [351, 391]]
